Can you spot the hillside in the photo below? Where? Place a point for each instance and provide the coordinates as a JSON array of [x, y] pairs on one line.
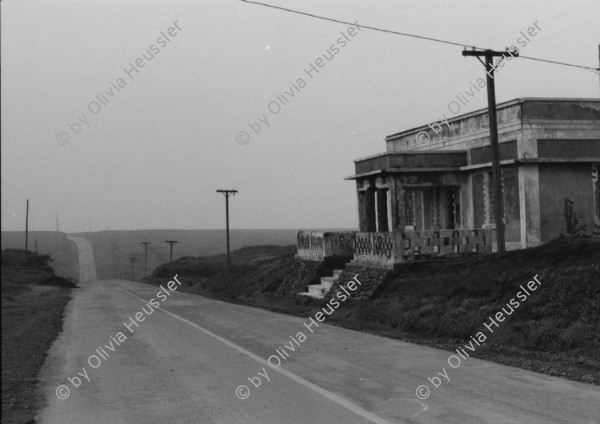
[[63, 253], [33, 302], [441, 303]]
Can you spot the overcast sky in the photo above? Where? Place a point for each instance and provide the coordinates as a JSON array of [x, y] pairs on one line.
[[152, 150]]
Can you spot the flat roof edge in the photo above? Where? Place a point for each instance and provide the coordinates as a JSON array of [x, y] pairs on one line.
[[419, 152], [503, 105]]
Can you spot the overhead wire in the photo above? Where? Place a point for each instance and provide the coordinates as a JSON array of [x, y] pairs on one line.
[[405, 34]]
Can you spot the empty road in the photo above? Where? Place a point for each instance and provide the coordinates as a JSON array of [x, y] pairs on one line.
[[185, 360]]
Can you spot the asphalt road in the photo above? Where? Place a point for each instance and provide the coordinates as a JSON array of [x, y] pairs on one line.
[[185, 360], [87, 265]]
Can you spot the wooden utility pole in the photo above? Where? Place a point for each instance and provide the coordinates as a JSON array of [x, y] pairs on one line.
[[146, 243], [171, 242], [496, 171], [132, 259], [26, 227], [227, 193]]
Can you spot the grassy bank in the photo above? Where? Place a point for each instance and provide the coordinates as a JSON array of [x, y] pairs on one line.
[[441, 303], [33, 302], [63, 252]]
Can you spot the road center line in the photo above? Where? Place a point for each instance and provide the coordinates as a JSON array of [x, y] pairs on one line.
[[325, 393]]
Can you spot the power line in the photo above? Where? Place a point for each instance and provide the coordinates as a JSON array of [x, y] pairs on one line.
[[362, 26], [560, 63], [405, 34]]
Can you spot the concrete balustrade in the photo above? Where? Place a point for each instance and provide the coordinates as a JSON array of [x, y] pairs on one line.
[[385, 249], [316, 246]]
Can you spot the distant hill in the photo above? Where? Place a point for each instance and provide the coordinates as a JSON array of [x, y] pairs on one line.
[[63, 253], [112, 249]]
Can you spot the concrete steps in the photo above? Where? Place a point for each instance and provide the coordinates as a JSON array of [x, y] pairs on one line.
[[318, 291]]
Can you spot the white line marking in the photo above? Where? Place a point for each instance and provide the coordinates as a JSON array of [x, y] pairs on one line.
[[331, 396]]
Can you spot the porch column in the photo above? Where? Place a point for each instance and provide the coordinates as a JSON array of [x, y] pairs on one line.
[[366, 209], [371, 224], [382, 210]]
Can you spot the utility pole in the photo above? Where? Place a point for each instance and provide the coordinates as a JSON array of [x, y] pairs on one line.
[[56, 223], [132, 259], [496, 171], [171, 242], [146, 243], [227, 193], [26, 227]]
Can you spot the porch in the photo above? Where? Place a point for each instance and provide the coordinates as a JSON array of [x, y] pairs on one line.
[[386, 249]]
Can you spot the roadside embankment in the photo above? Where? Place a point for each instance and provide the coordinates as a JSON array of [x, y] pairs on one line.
[[33, 303], [440, 303]]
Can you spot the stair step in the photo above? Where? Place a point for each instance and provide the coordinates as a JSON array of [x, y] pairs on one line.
[[314, 296], [328, 281], [318, 289]]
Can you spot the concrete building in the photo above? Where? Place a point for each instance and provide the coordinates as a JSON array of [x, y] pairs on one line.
[[431, 192], [550, 160]]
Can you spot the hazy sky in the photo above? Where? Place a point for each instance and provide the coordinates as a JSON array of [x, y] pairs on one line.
[[152, 150]]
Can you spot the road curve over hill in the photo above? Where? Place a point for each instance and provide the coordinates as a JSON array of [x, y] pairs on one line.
[[181, 359], [87, 265]]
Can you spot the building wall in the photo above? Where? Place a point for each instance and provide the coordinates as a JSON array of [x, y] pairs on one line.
[[523, 120], [562, 181], [512, 209], [545, 146], [463, 133], [529, 190], [483, 202], [479, 212]]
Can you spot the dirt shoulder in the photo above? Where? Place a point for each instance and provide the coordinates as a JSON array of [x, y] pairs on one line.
[[33, 303]]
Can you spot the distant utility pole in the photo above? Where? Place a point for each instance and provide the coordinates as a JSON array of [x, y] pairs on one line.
[[146, 243], [171, 242], [56, 223], [491, 91], [227, 193], [26, 227], [132, 259]]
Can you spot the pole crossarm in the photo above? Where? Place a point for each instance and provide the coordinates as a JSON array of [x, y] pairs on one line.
[[489, 53], [227, 193]]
